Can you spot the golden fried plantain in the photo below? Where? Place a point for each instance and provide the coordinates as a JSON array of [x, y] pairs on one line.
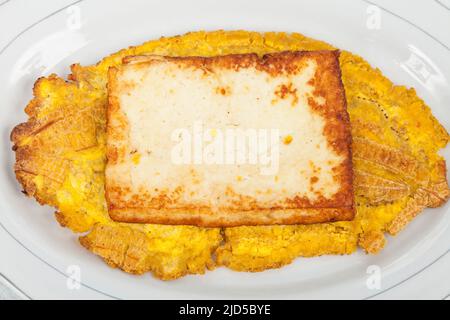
[[60, 157]]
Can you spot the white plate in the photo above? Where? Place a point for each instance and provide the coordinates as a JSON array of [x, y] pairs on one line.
[[32, 240]]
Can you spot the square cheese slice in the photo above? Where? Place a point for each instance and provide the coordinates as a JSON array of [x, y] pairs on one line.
[[229, 140]]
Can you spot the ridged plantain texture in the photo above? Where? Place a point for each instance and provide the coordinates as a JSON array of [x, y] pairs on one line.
[[60, 160]]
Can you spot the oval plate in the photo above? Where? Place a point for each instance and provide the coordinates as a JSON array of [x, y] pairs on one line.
[[41, 256]]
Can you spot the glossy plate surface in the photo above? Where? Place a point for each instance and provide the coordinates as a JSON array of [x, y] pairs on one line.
[[33, 240]]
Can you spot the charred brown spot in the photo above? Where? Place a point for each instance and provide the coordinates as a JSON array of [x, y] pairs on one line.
[[285, 90], [225, 91], [112, 155]]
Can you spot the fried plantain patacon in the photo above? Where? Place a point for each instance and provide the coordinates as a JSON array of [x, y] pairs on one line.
[[60, 160]]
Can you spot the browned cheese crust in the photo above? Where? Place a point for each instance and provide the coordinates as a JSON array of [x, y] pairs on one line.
[[126, 203]]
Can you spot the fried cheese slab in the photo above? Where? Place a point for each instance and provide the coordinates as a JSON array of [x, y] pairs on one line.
[[60, 159], [295, 94]]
